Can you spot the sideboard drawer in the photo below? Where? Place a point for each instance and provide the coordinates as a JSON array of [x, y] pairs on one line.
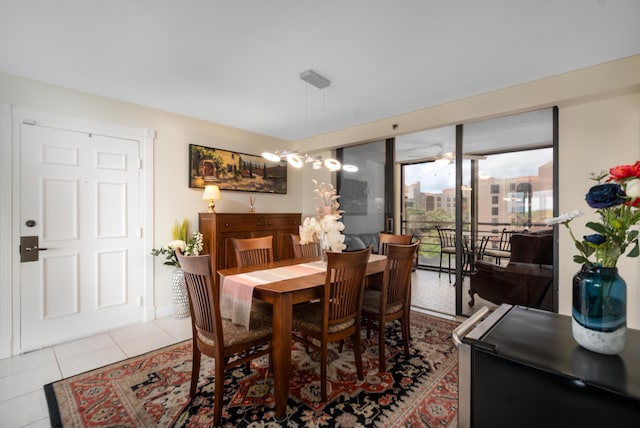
[[240, 223], [286, 222]]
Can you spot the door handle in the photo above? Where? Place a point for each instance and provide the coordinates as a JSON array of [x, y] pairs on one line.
[[29, 249]]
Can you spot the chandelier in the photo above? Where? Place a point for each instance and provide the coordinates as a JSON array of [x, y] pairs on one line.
[[298, 160]]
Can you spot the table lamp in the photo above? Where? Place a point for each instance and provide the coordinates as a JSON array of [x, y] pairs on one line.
[[212, 193]]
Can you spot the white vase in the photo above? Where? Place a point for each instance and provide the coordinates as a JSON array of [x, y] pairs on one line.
[[179, 294], [324, 247]]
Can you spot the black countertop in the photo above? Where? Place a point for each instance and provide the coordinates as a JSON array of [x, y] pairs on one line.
[[543, 340]]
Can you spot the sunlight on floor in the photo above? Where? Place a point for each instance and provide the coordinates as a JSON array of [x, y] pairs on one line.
[[435, 294]]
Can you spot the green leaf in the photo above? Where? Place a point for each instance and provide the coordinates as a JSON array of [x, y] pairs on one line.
[[598, 227], [581, 260], [635, 251]]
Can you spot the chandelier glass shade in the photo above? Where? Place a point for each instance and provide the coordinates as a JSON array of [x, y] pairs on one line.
[[298, 160]]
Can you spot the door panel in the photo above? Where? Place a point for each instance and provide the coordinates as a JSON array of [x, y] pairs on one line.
[[58, 292], [81, 192]]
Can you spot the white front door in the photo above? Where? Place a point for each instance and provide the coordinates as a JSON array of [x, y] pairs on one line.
[[80, 195]]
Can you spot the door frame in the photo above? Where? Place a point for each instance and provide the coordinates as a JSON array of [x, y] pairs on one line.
[[10, 118]]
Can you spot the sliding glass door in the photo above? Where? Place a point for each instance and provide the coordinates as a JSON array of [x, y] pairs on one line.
[[477, 179], [429, 190]]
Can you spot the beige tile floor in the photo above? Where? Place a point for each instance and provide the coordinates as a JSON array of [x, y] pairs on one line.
[[22, 400]]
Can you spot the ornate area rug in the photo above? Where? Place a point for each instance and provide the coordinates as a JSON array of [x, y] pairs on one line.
[[153, 389]]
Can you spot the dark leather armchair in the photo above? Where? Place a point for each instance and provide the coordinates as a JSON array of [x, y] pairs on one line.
[[525, 281]]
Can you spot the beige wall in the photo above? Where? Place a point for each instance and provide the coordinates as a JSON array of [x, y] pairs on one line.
[[599, 108], [595, 136]]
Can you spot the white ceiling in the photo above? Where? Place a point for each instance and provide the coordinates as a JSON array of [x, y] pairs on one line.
[[237, 62]]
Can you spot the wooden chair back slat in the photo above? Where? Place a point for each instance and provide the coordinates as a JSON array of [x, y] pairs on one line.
[[344, 284], [253, 251], [303, 251], [397, 275], [390, 238]]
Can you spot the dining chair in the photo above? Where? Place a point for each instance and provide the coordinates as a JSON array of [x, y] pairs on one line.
[[384, 239], [303, 251], [503, 249], [217, 337], [447, 246], [337, 315], [391, 303], [390, 238], [253, 251]]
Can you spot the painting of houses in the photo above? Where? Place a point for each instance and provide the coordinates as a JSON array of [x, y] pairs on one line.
[[235, 171]]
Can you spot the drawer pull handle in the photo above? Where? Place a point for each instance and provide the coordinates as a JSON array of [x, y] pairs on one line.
[[226, 225]]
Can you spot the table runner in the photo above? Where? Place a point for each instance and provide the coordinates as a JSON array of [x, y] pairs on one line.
[[237, 290]]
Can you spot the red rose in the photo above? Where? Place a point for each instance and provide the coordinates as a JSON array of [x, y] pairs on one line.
[[621, 172]]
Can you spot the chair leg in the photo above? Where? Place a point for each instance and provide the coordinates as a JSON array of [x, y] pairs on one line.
[[472, 301], [404, 321], [219, 393], [449, 268], [440, 270], [323, 371], [381, 357], [195, 370], [407, 315], [244, 354], [357, 350]]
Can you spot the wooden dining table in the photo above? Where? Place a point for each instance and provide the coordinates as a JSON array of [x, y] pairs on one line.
[[283, 295]]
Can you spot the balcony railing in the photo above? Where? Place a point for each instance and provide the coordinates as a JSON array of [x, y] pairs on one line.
[[426, 232]]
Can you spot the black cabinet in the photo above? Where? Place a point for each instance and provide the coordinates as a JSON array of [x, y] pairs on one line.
[[522, 368]]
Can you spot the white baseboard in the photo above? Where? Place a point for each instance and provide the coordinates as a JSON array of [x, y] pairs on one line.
[[164, 311]]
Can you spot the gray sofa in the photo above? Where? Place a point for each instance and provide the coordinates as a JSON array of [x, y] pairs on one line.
[[360, 241]]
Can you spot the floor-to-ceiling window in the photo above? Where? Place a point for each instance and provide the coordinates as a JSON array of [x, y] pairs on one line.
[[365, 194], [506, 181]]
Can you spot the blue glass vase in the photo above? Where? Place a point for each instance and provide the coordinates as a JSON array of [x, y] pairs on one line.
[[599, 309]]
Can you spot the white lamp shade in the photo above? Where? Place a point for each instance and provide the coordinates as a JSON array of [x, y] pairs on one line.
[[212, 192], [332, 164], [295, 160], [273, 157]]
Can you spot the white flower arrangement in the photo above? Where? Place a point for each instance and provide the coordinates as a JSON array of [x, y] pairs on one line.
[[325, 227], [191, 247]]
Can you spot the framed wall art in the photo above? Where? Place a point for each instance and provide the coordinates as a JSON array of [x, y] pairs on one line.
[[235, 171]]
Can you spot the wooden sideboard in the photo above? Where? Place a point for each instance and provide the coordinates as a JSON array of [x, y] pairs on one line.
[[218, 228]]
